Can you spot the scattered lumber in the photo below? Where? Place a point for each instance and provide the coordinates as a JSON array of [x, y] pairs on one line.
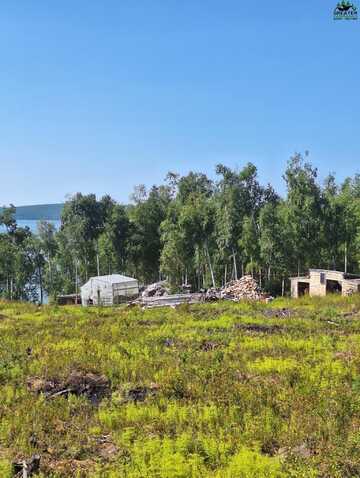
[[172, 300], [213, 294], [156, 295]]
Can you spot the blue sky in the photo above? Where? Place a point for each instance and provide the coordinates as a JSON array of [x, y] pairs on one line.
[[100, 96]]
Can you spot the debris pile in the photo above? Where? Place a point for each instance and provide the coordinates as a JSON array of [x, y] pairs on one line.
[[92, 386], [213, 293], [158, 289], [208, 346], [139, 394], [186, 288], [26, 468], [278, 313], [245, 288], [158, 294], [168, 300], [106, 448]]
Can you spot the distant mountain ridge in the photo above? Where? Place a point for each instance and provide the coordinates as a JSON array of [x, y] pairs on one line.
[[39, 212]]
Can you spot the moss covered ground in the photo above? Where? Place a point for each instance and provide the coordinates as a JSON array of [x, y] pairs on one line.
[[221, 390]]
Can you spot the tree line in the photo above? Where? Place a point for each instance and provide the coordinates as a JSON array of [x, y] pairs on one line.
[[190, 230]]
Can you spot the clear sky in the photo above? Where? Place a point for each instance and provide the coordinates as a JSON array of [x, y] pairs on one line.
[[97, 96]]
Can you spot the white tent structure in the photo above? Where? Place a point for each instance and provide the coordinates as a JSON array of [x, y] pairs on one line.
[[108, 290]]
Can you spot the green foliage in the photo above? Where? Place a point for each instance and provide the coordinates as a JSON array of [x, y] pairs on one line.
[[249, 464], [5, 469], [190, 230], [224, 398]]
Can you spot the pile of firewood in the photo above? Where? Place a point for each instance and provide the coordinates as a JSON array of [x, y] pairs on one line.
[[245, 288]]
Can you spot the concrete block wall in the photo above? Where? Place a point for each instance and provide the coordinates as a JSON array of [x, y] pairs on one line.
[[349, 288], [316, 288], [294, 288]]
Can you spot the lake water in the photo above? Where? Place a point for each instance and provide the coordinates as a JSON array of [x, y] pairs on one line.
[[33, 224]]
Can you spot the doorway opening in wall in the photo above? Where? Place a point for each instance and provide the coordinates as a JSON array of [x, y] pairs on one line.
[[333, 287], [303, 288]]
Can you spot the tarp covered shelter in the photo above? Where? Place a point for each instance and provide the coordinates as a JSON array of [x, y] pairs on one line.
[[109, 290]]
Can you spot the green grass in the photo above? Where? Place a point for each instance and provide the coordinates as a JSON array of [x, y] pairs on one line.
[[229, 401]]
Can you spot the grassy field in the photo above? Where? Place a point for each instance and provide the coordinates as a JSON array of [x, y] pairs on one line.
[[220, 390]]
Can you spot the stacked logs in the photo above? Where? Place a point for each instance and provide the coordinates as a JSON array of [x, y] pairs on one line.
[[245, 288]]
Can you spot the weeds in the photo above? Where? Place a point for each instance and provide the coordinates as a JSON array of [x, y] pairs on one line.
[[213, 391]]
